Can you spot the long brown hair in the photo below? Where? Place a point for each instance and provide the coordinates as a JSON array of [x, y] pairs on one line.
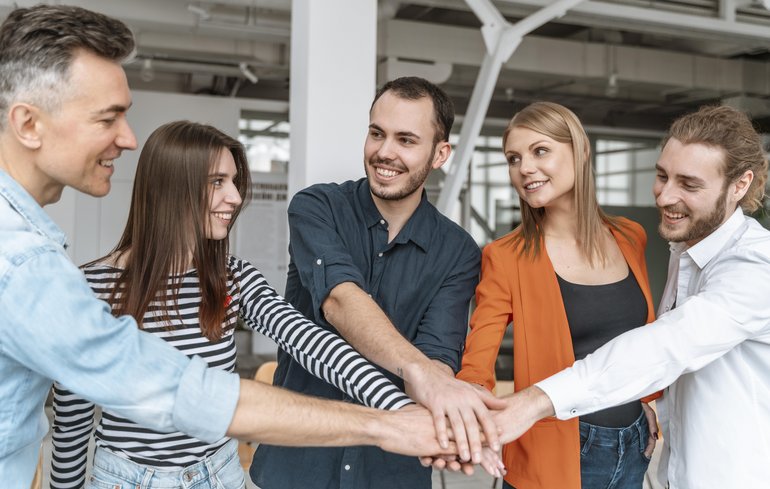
[[167, 221], [562, 125]]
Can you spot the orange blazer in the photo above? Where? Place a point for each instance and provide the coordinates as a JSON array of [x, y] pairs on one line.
[[519, 289]]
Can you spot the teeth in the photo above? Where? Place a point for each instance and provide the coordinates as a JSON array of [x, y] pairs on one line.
[[106, 163], [673, 215], [386, 173], [226, 216], [534, 185]]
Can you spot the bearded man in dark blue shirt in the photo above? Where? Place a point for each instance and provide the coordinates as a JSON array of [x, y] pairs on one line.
[[375, 261]]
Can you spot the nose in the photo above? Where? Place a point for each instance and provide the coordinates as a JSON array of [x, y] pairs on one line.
[[233, 197], [665, 194], [526, 167], [386, 151], [126, 138]]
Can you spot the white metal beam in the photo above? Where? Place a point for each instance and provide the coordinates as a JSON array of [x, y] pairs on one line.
[[501, 39]]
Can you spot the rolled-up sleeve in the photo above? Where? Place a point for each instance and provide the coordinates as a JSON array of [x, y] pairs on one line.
[[317, 250], [442, 331], [55, 326]]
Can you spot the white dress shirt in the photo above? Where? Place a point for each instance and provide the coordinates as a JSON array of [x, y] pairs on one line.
[[712, 352]]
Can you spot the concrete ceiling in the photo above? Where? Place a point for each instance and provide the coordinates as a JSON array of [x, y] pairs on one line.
[[621, 64]]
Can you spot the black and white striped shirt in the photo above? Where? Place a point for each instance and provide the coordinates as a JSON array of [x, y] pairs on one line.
[[321, 352]]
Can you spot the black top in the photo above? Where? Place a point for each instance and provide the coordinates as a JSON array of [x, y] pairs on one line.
[[597, 314], [423, 280]]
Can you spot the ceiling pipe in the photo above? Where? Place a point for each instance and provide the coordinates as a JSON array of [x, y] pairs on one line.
[[501, 39]]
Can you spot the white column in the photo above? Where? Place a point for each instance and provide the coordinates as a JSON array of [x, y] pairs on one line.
[[333, 77]]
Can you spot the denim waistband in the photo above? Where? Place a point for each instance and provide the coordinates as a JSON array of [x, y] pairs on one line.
[[636, 433], [145, 476]]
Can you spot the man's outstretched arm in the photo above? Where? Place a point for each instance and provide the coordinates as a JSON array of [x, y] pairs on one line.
[[269, 414], [362, 323]]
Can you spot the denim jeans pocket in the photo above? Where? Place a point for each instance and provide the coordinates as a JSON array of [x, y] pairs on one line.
[[231, 475], [95, 482]]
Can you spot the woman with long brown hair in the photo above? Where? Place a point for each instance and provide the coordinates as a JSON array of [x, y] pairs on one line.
[[172, 271], [569, 279]]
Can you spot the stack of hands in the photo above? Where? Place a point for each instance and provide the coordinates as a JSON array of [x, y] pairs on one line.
[[458, 425]]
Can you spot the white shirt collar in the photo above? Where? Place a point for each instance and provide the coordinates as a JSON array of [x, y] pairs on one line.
[[703, 251]]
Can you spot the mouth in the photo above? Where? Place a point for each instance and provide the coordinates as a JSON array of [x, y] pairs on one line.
[[224, 216], [106, 163], [673, 217], [385, 173], [532, 186]]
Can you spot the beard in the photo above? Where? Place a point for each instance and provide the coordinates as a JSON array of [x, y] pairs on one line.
[[699, 228], [413, 183]]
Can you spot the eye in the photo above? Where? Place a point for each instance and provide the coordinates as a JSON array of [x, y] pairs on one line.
[[407, 141], [514, 159], [217, 182], [690, 187], [375, 134], [540, 151], [108, 122], [661, 177]]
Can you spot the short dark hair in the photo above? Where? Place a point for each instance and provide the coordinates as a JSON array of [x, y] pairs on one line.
[[415, 88], [38, 44], [730, 130]]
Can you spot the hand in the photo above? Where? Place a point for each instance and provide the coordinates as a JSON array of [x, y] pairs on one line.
[[410, 431], [490, 461], [652, 420], [524, 408], [466, 407]]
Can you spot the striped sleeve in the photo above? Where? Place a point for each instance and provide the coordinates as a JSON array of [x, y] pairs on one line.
[[72, 425], [320, 352]]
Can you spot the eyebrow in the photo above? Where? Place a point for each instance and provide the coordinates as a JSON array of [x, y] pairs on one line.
[[222, 175], [399, 133], [536, 143], [113, 108], [687, 178]]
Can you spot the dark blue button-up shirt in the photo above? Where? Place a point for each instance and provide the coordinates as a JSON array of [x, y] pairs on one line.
[[423, 280]]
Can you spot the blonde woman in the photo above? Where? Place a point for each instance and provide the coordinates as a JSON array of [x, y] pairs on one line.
[[569, 279]]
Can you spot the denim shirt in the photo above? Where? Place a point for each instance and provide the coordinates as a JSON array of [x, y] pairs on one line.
[[423, 280], [53, 327]]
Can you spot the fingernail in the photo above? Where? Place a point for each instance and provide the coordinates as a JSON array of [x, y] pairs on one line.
[[476, 457], [444, 444], [465, 455], [496, 446]]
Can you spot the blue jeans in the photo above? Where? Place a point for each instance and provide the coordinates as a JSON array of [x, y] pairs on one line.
[[612, 458], [220, 471]]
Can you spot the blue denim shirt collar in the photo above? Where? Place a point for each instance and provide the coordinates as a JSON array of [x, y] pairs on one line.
[[23, 203], [415, 229]]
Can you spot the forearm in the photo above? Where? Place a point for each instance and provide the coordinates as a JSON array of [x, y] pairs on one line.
[[273, 415], [523, 410], [365, 326], [268, 414], [320, 352]]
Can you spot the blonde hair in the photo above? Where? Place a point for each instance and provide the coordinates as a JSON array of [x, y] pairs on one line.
[[562, 125]]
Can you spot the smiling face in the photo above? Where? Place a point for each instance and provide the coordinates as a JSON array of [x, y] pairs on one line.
[[80, 139], [690, 191], [400, 151], [542, 170], [225, 198]]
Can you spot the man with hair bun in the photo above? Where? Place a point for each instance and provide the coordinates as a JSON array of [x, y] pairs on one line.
[[710, 347]]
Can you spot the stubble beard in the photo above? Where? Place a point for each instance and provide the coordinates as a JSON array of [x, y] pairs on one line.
[[700, 228], [413, 184]]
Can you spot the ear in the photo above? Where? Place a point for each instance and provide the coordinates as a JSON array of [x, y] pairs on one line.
[[739, 188], [24, 124], [443, 150]]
